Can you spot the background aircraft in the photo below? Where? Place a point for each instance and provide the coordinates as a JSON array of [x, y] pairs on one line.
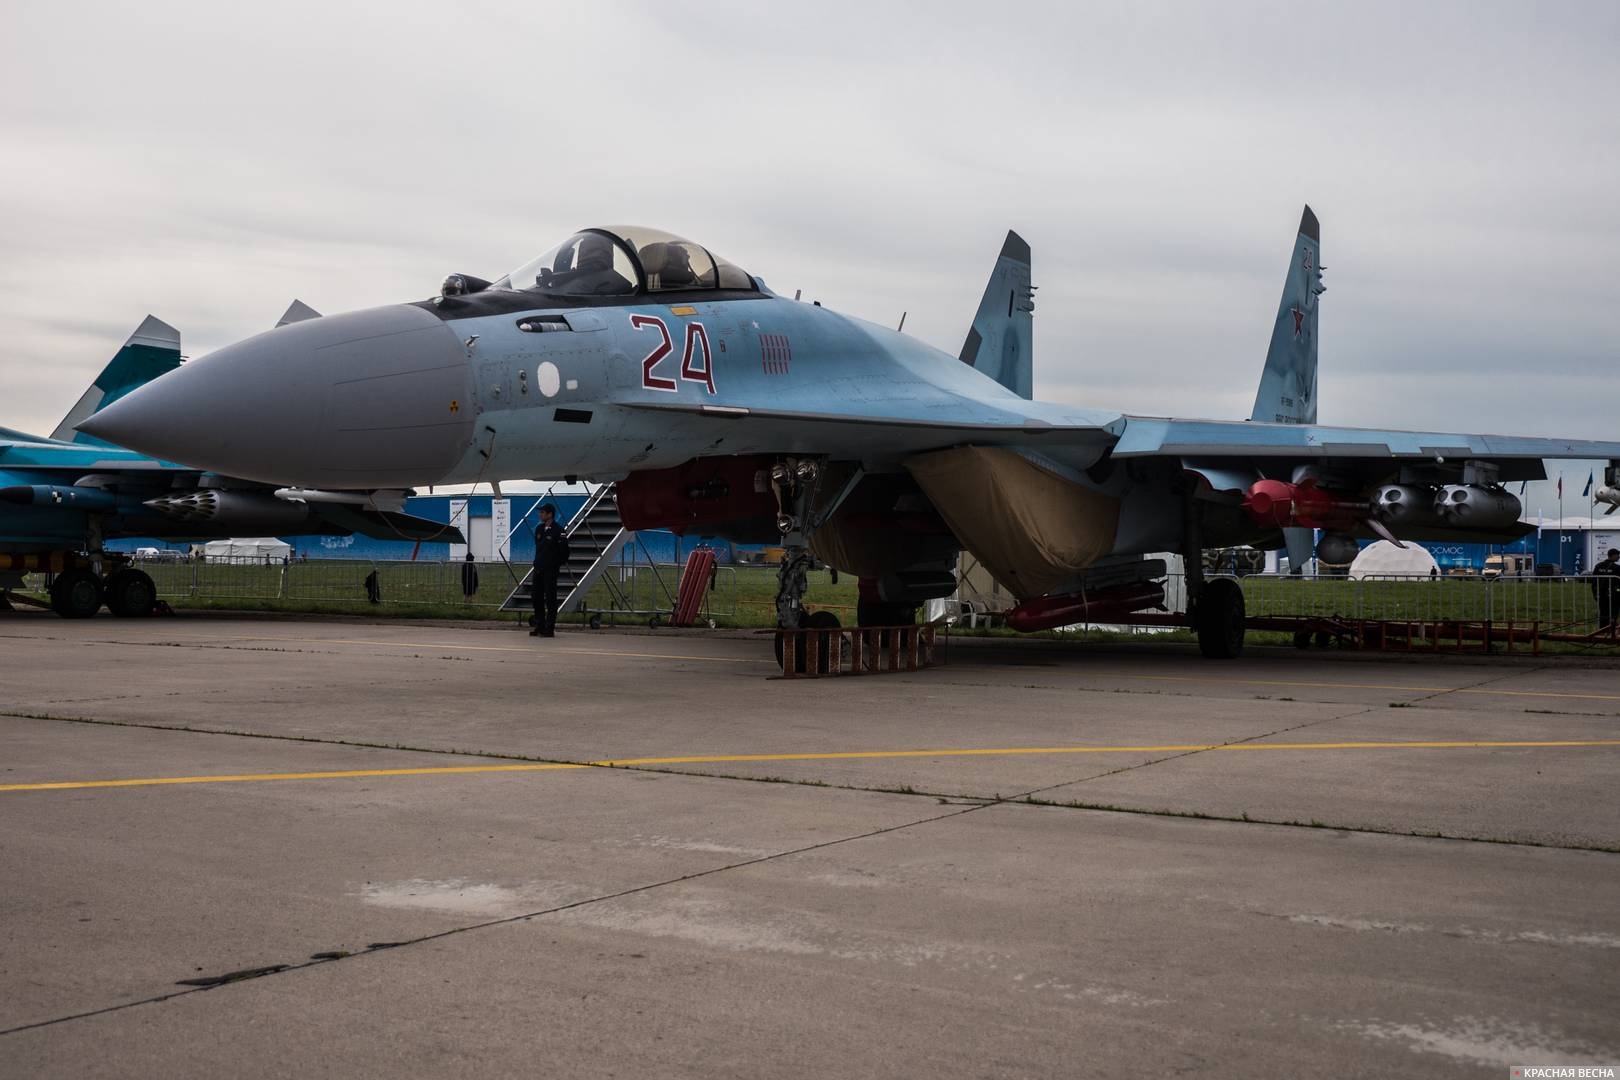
[[631, 355], [63, 497]]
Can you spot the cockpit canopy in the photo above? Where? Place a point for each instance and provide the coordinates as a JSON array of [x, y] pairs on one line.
[[624, 260]]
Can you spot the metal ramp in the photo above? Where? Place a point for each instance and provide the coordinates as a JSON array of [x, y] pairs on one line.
[[595, 537]]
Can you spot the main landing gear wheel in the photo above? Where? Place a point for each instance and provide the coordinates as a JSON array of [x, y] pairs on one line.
[[131, 594], [1302, 639], [76, 594], [1220, 619]]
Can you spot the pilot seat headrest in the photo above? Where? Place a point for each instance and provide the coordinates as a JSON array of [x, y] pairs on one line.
[[671, 263]]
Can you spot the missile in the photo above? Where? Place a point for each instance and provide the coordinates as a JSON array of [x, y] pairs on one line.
[[51, 562], [376, 500], [1279, 504], [1610, 497], [68, 496], [1096, 605]]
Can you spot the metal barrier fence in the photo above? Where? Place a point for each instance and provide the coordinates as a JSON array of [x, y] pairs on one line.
[[627, 590], [328, 580], [1558, 604], [647, 591]]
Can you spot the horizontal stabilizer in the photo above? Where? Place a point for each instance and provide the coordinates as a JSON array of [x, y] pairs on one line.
[[152, 350]]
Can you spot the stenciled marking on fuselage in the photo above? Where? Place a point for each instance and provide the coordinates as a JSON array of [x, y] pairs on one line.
[[695, 333]]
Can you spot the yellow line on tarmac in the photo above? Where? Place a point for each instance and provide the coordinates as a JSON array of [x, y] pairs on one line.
[[1241, 681], [844, 755]]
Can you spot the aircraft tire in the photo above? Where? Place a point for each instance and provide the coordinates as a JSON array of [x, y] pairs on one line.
[[76, 594], [1221, 620], [131, 594]]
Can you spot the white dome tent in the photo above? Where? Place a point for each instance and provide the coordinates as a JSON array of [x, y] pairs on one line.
[[1384, 559]]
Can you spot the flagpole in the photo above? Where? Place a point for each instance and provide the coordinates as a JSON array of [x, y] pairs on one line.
[[1560, 523]]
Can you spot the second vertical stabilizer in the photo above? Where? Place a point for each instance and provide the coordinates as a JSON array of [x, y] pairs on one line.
[[1287, 392], [1001, 341], [152, 350]]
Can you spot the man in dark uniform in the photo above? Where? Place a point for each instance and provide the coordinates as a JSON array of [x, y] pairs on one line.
[[1606, 587], [550, 555]]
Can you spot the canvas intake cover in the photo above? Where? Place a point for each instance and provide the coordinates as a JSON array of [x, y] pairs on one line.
[[1032, 529]]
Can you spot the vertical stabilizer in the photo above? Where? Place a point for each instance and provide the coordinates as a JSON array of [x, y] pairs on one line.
[[1001, 342], [1288, 383], [298, 312], [152, 350]]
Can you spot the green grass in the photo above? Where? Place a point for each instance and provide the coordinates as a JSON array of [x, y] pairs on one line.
[[744, 596], [1463, 599]]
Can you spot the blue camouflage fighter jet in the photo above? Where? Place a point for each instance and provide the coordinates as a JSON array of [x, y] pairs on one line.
[[62, 497], [718, 407]]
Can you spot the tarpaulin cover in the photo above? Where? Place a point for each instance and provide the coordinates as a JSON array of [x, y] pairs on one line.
[[1031, 528]]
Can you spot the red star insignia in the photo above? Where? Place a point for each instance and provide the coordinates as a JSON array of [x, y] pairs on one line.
[[1299, 321]]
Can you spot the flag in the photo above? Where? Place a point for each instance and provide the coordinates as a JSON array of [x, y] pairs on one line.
[[1522, 485], [1560, 485], [1589, 477]]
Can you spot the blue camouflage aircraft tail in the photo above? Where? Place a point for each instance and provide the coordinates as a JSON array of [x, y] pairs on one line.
[[1287, 393], [152, 350], [1288, 384], [1001, 341]]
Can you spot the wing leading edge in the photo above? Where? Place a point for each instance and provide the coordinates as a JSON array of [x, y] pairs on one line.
[[1151, 436]]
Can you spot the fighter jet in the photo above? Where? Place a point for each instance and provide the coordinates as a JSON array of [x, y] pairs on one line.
[[630, 355], [63, 496]]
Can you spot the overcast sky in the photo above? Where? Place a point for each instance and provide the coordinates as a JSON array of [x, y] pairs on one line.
[[208, 162]]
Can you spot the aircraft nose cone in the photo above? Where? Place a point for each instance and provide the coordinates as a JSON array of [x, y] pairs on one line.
[[375, 398]]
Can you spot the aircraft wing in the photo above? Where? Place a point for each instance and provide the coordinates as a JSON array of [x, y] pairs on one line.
[[1149, 436], [19, 451], [894, 436]]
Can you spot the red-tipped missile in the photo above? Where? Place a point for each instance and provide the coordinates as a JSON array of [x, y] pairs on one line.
[[1279, 504]]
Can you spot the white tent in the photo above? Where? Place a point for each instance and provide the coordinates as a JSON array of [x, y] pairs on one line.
[[1384, 559], [262, 549]]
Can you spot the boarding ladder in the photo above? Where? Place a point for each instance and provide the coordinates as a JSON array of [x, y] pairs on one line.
[[596, 535]]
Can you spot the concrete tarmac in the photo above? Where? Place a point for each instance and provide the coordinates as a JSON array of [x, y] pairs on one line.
[[338, 848]]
